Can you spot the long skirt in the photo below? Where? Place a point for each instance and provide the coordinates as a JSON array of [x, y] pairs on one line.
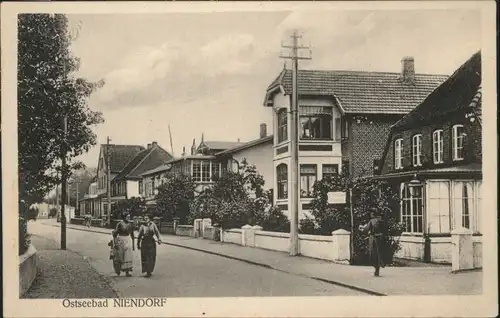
[[376, 251], [148, 256], [123, 256]]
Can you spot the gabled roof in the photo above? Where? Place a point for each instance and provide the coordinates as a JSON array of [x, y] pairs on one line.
[[246, 145], [145, 160], [120, 155], [219, 145], [458, 93], [359, 92]]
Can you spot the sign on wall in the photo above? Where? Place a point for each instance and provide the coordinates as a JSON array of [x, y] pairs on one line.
[[337, 197]]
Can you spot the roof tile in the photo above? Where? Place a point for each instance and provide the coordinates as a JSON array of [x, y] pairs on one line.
[[363, 92]]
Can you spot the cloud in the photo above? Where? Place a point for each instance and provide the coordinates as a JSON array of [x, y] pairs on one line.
[[149, 73]]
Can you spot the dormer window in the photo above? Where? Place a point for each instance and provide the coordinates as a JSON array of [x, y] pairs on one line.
[[417, 150], [398, 154], [458, 142], [437, 146]]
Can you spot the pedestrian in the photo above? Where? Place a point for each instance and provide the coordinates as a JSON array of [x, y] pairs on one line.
[[122, 256], [375, 228], [147, 244]]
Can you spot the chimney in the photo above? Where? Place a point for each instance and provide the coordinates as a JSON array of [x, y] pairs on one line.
[[193, 148], [154, 144], [408, 70], [149, 146], [263, 130]]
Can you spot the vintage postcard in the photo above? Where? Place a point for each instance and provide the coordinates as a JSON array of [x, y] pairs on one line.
[[249, 159]]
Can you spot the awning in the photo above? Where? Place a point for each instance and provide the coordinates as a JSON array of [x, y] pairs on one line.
[[473, 170]]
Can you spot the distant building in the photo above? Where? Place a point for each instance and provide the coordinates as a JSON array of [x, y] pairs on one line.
[[127, 163], [439, 145], [344, 120]]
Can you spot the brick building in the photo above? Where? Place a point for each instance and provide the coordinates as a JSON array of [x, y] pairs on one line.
[[433, 158], [345, 119]]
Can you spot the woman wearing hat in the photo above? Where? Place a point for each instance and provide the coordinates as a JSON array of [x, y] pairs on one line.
[[123, 246], [375, 229], [147, 244]]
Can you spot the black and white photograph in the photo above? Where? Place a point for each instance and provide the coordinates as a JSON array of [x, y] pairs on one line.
[[257, 152]]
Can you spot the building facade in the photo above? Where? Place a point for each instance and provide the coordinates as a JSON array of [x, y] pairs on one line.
[[344, 121], [126, 163], [433, 159]]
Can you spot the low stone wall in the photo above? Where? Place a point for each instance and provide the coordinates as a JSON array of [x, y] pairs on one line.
[[27, 269], [209, 232], [232, 236], [412, 247], [77, 221], [167, 228], [334, 248], [275, 241], [184, 230]]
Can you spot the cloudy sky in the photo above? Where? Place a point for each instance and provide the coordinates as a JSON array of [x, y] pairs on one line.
[[207, 73]]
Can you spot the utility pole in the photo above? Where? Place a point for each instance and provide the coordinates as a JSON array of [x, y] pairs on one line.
[[108, 170], [77, 204], [58, 214], [293, 203], [63, 186]]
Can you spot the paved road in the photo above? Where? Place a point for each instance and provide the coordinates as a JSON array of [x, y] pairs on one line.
[[182, 272]]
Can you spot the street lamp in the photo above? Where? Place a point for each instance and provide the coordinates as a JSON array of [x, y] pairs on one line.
[[413, 184]]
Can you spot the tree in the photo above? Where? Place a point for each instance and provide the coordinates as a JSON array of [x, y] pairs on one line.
[[367, 193], [175, 197], [234, 198], [48, 90], [135, 206]]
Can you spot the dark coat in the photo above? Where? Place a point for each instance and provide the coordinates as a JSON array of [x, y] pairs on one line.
[[375, 228]]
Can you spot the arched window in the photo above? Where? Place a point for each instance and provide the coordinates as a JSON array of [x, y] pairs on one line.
[[282, 125], [458, 142], [282, 178], [437, 146], [417, 150], [398, 153]]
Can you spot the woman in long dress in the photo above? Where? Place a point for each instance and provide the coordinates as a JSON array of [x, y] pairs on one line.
[[146, 243], [123, 256]]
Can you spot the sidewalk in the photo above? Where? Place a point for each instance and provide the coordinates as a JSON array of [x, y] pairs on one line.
[[65, 274], [393, 280]]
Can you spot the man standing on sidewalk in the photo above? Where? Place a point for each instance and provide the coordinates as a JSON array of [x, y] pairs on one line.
[[375, 229]]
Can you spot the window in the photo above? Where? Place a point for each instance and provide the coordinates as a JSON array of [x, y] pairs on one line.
[[437, 146], [464, 205], [439, 207], [205, 171], [345, 129], [458, 142], [330, 170], [282, 178], [398, 151], [338, 129], [215, 171], [196, 174], [411, 209], [308, 177], [315, 122], [282, 125], [479, 207], [417, 150], [141, 188]]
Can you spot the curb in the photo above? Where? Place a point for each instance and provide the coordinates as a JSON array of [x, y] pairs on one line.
[[356, 288]]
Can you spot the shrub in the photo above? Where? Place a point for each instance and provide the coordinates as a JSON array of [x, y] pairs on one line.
[[24, 238], [32, 213], [175, 197], [52, 212], [366, 193], [308, 226], [275, 221]]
